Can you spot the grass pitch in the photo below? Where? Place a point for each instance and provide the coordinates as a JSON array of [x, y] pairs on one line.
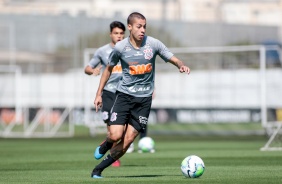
[[235, 159]]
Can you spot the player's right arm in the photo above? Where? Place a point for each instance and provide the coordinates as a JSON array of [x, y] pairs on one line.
[[105, 77], [92, 68], [113, 60], [93, 71]]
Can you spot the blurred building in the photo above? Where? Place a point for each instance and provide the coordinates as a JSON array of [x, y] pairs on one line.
[[255, 12], [46, 40], [50, 35]]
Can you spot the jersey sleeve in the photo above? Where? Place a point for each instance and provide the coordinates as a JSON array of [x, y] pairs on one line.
[[114, 57], [163, 51], [96, 59]]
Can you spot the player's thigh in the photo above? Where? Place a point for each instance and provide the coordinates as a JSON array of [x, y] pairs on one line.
[[120, 112], [140, 113], [116, 132]]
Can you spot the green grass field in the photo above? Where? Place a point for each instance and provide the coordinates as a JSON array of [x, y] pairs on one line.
[[228, 159]]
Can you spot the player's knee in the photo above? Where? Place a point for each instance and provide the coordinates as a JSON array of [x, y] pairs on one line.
[[115, 136]]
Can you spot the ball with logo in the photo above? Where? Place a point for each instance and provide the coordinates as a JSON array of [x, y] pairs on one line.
[[192, 166], [146, 145]]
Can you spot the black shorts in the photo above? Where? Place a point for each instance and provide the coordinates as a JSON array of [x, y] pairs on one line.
[[108, 101], [132, 110]]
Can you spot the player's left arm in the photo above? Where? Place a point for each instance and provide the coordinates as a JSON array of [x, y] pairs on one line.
[[179, 64], [103, 80], [113, 60], [166, 55]]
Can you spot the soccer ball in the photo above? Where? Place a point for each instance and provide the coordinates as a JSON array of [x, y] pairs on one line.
[[192, 167], [146, 145]]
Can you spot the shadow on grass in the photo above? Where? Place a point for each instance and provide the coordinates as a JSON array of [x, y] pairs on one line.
[[141, 176], [133, 165]]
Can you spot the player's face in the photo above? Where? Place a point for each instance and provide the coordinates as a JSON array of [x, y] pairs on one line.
[[137, 29], [117, 35]]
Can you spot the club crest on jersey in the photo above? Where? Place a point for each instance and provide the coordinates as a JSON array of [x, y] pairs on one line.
[[148, 53], [114, 116]]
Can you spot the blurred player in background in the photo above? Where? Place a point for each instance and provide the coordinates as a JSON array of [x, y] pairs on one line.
[[99, 62], [132, 105]]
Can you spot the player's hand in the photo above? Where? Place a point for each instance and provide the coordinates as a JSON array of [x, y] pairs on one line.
[[184, 69], [96, 71], [98, 102]]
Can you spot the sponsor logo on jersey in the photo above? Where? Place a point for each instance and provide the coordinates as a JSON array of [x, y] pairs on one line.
[[127, 48], [147, 46], [133, 63], [140, 69], [138, 53], [111, 86], [148, 53], [134, 89], [114, 116], [117, 69]]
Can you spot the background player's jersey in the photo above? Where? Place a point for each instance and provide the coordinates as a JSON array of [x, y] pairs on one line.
[[101, 57], [138, 65]]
